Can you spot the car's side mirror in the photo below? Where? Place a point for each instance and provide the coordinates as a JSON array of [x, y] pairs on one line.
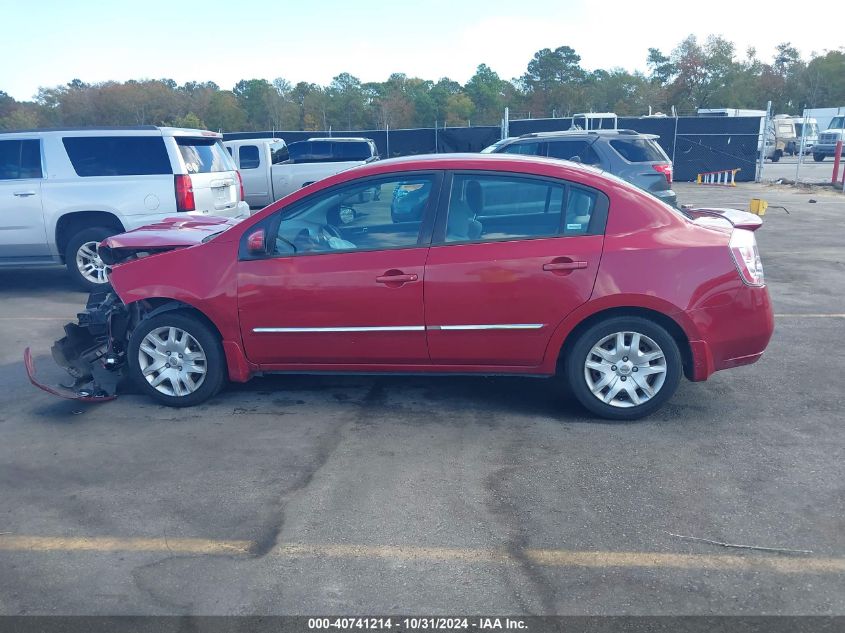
[[575, 159], [256, 242]]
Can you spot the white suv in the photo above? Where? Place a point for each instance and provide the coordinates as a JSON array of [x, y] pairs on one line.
[[63, 191]]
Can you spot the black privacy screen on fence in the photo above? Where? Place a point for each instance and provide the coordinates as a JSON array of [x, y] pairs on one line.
[[400, 142], [695, 144]]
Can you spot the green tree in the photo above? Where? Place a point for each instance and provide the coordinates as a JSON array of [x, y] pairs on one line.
[[255, 97], [487, 91], [225, 112]]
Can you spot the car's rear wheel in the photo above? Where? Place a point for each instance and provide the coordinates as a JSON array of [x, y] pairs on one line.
[[624, 368], [83, 260], [818, 157], [177, 359]]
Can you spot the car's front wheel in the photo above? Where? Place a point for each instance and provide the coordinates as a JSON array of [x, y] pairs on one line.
[[818, 157], [624, 368], [176, 358]]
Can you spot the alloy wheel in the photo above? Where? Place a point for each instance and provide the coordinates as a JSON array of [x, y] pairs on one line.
[[172, 361], [625, 369], [89, 264]]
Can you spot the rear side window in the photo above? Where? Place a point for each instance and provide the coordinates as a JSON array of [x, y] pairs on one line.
[[639, 150], [483, 207], [203, 155], [20, 159], [567, 150], [117, 155], [329, 151], [530, 149], [248, 156], [352, 150]]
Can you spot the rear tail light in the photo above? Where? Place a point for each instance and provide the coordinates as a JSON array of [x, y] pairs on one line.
[[185, 194], [665, 169], [241, 186], [747, 257]]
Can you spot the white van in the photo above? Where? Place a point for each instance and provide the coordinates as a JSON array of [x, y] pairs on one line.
[[62, 191]]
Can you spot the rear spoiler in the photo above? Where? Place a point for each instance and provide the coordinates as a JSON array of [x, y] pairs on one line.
[[738, 219]]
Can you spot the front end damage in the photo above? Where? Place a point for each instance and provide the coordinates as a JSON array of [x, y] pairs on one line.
[[93, 351]]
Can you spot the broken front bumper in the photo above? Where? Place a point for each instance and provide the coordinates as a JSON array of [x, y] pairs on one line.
[[93, 351]]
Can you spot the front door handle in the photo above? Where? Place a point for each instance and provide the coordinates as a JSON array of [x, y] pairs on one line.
[[24, 194], [563, 265], [395, 278]]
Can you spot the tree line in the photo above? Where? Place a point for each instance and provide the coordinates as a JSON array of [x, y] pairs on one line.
[[693, 75]]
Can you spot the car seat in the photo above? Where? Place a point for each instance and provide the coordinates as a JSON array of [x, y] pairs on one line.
[[462, 224]]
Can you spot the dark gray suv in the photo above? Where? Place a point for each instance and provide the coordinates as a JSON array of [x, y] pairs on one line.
[[630, 155]]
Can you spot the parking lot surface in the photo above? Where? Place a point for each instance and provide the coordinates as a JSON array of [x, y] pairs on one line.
[[378, 495]]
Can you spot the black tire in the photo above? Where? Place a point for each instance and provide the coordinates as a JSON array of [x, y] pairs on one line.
[[209, 341], [818, 157], [776, 156], [95, 234], [574, 366]]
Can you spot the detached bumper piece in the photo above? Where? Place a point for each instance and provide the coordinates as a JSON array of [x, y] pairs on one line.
[[92, 351]]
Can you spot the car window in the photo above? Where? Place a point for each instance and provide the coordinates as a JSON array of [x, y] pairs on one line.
[[370, 215], [567, 150], [485, 207], [248, 157], [330, 151], [20, 159], [203, 155], [639, 150], [352, 150], [279, 153], [117, 155], [531, 149], [580, 206]]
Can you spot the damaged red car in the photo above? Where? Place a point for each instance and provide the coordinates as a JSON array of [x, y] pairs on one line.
[[452, 264]]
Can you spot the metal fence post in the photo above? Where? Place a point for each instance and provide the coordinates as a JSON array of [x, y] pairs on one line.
[[436, 150], [387, 137], [763, 134], [801, 148]]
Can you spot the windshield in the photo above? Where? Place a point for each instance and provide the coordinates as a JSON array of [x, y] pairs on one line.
[[837, 123], [491, 149], [811, 129]]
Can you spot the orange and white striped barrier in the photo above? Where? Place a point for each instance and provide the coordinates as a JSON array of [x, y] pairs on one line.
[[723, 178]]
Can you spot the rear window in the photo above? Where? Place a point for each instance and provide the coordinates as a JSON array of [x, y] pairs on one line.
[[279, 153], [203, 155], [20, 159], [117, 155], [329, 151], [639, 150]]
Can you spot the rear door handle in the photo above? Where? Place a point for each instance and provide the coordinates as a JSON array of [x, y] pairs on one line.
[[563, 266], [24, 194]]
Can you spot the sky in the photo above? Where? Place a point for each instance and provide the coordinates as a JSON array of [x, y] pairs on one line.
[[313, 41]]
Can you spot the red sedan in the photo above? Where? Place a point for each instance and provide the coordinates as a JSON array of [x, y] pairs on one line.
[[453, 264]]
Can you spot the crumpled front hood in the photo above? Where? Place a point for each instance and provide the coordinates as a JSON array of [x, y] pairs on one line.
[[176, 232]]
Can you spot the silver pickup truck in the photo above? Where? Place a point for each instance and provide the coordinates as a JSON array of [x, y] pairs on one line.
[[271, 169]]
